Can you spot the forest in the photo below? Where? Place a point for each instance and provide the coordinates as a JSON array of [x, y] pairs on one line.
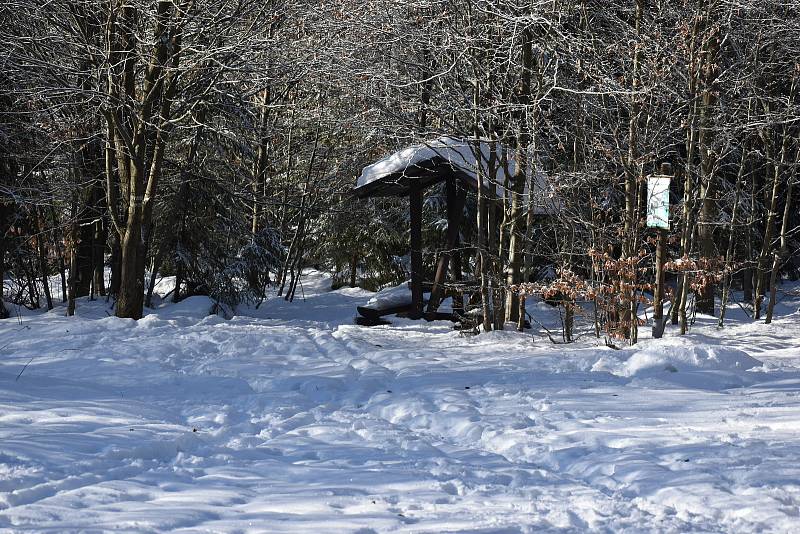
[[219, 141], [403, 266]]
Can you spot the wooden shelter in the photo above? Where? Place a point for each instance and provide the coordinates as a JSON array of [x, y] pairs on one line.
[[461, 164]]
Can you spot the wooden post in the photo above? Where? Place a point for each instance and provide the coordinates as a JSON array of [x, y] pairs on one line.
[[658, 298], [455, 210], [415, 203], [659, 321], [455, 257]]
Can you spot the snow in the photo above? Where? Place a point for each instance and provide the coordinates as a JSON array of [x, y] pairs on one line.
[[458, 152], [290, 418], [391, 296], [680, 354], [400, 295]]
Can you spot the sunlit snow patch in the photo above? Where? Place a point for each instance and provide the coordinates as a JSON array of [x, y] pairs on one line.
[[391, 296], [681, 361]]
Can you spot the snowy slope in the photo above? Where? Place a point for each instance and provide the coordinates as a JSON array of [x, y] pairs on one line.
[[295, 420]]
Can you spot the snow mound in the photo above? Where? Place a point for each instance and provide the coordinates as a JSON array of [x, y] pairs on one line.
[[400, 295], [195, 307], [391, 296], [15, 310], [676, 356]]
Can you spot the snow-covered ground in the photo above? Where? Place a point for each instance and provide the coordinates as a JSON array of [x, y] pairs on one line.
[[292, 419]]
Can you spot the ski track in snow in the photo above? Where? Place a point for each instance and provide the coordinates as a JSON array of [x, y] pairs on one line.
[[295, 420]]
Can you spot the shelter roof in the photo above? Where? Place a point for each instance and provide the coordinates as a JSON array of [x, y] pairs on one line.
[[426, 164]]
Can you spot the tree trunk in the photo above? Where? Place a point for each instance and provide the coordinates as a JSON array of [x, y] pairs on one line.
[[116, 265], [139, 124], [297, 270], [176, 293], [353, 269], [259, 183], [33, 291], [514, 274], [726, 281], [98, 257], [130, 301], [43, 267], [658, 298], [748, 273], [483, 271], [482, 260], [73, 259], [632, 171], [679, 307], [783, 251], [62, 271], [766, 245], [4, 313], [84, 250], [155, 268], [708, 212], [455, 210], [417, 276]]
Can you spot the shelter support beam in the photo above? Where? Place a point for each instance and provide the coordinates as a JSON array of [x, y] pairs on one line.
[[455, 211], [415, 202], [658, 298]]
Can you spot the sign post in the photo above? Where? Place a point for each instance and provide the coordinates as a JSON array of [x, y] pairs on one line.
[[658, 218]]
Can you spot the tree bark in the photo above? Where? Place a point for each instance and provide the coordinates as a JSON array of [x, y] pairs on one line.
[[44, 269], [514, 274], [4, 313], [708, 212], [140, 138], [766, 245], [783, 251], [679, 307], [417, 276], [726, 281]]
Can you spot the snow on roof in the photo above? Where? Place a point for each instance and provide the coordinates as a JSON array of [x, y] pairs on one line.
[[459, 152]]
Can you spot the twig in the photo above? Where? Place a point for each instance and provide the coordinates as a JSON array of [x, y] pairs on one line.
[[744, 309], [547, 331], [23, 369]]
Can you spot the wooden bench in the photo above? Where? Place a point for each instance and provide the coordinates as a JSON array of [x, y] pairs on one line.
[[374, 316]]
